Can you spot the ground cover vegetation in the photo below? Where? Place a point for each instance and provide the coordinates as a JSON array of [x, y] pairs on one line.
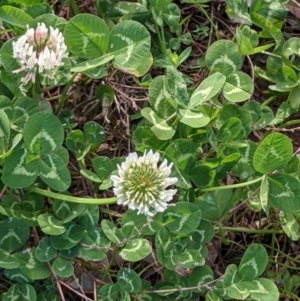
[[149, 150]]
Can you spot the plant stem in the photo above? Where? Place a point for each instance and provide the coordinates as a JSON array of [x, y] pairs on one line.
[[113, 257], [163, 39], [146, 268], [36, 89], [288, 257], [64, 94], [252, 231], [170, 117], [162, 45], [206, 286], [53, 98], [35, 93], [232, 186], [289, 123], [271, 54], [185, 19], [268, 101], [47, 88], [225, 241], [73, 199], [285, 265], [74, 7]]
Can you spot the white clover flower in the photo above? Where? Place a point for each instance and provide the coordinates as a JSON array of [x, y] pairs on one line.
[[141, 183], [38, 51]]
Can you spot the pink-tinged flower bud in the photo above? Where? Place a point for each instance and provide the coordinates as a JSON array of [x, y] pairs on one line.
[[41, 34]]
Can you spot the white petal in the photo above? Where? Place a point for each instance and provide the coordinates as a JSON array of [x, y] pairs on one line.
[[170, 181]]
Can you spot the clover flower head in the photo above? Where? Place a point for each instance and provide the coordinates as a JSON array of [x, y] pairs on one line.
[[40, 50], [141, 183]]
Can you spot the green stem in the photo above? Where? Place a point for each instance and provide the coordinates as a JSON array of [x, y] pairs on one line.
[[284, 265], [64, 94], [53, 98], [268, 101], [170, 117], [289, 123], [73, 199], [111, 212], [162, 45], [252, 231], [46, 89], [232, 186], [185, 19], [271, 54], [74, 7], [145, 269], [273, 240], [181, 289], [225, 241], [36, 89], [35, 94], [297, 262], [259, 226], [114, 254], [163, 39]]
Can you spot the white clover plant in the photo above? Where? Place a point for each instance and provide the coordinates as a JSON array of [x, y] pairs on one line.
[[157, 244]]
